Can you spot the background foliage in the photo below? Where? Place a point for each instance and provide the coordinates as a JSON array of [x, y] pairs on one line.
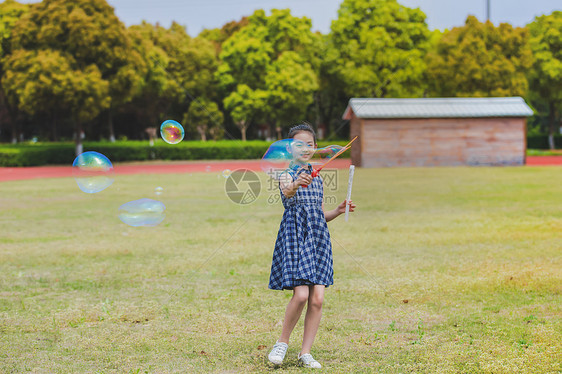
[[70, 68], [26, 154]]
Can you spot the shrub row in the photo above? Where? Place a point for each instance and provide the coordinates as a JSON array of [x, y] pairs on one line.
[[541, 141], [64, 154]]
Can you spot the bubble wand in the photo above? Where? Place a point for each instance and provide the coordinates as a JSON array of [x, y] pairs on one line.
[[349, 184], [316, 171]]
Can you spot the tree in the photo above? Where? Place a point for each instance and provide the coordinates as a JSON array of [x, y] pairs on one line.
[[48, 83], [160, 90], [179, 69], [205, 117], [381, 45], [89, 31], [330, 98], [291, 83], [245, 105], [480, 60], [250, 73], [219, 36], [10, 12], [546, 75]]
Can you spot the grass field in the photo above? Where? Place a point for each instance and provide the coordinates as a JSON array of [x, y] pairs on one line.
[[440, 270]]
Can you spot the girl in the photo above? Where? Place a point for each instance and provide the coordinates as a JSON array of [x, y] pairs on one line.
[[302, 259]]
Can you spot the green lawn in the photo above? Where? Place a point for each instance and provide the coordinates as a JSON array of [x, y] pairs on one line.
[[453, 270]]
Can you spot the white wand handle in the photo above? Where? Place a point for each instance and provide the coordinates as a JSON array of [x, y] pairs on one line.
[[349, 185]]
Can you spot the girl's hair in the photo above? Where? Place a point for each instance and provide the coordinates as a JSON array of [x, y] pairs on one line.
[[302, 127]]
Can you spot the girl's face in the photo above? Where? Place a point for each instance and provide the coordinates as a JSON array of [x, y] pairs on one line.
[[303, 147]]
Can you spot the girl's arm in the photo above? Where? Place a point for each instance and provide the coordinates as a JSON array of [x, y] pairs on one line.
[[340, 209]]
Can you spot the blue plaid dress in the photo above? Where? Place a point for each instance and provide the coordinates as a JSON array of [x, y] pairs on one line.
[[303, 250]]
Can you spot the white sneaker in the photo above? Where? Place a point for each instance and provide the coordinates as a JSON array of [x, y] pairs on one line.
[[308, 361], [278, 353]]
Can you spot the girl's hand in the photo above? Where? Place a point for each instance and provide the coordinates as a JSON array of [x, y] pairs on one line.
[[289, 188], [304, 179], [341, 207]]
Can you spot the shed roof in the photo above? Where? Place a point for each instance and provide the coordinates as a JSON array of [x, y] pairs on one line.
[[452, 107]]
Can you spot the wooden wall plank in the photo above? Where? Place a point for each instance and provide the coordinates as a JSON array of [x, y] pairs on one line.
[[443, 141]]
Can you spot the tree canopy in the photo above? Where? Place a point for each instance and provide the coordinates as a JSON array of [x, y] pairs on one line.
[[10, 12], [68, 67], [480, 59], [265, 63], [382, 46], [44, 82], [92, 40], [180, 69], [546, 75], [87, 30]]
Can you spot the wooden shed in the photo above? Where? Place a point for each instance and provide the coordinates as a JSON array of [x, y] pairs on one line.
[[438, 131]]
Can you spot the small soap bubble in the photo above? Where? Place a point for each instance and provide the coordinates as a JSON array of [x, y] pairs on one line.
[[226, 173], [158, 190], [172, 132], [92, 171], [142, 212], [208, 168]]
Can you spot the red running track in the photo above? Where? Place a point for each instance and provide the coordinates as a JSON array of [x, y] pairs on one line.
[[170, 167], [20, 173], [544, 160]]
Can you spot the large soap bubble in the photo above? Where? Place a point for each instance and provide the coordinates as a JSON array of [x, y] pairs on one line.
[[323, 155], [327, 152], [92, 171], [142, 212], [172, 132], [281, 154]]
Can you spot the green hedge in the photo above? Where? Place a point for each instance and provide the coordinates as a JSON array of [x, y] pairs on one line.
[[544, 152], [541, 141], [63, 153]]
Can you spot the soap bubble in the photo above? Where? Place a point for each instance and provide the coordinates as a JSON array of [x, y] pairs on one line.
[[282, 153], [142, 212], [226, 173], [158, 190], [208, 168], [323, 155], [92, 171], [172, 132], [327, 152]]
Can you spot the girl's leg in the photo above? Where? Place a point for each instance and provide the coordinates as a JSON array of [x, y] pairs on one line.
[[313, 315], [293, 312]]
